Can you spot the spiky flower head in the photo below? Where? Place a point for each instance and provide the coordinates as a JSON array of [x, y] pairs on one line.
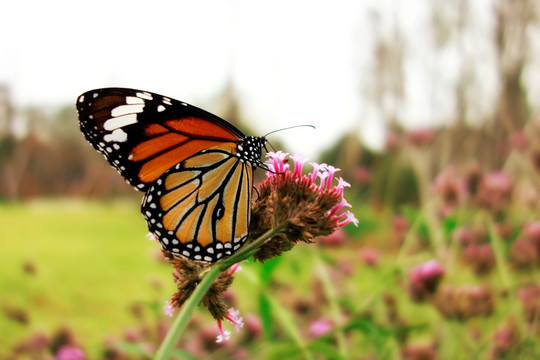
[[305, 206]]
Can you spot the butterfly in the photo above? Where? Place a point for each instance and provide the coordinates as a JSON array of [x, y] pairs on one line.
[[195, 168]]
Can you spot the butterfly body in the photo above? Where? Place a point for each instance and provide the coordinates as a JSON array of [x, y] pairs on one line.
[[195, 168]]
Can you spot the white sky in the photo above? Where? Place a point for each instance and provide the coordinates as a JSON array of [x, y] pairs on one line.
[[292, 62]]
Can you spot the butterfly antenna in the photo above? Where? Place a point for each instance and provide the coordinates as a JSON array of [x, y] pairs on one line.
[[290, 127], [269, 143]]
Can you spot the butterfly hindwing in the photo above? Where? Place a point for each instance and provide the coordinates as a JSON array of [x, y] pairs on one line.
[[200, 208], [143, 134]]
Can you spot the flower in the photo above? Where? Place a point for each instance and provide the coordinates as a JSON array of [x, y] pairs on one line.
[[480, 257], [151, 237], [235, 319], [301, 206], [452, 189], [495, 191], [70, 352], [224, 336], [320, 327], [424, 279], [369, 256], [421, 137], [337, 238], [464, 302], [168, 309], [189, 274]]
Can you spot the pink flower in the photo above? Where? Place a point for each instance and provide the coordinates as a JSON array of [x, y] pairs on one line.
[[224, 336], [320, 327], [519, 141], [70, 352], [168, 309], [480, 257], [323, 171], [234, 317], [337, 238], [235, 268], [370, 256], [495, 191], [362, 175], [151, 237], [421, 137], [299, 161], [424, 279]]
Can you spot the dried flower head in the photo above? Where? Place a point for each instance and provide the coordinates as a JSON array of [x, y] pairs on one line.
[[464, 302], [188, 275]]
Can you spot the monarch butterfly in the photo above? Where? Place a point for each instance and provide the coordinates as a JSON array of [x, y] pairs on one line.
[[195, 168]]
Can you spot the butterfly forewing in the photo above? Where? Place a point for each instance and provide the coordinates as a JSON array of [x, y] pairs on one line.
[[200, 207], [143, 134]]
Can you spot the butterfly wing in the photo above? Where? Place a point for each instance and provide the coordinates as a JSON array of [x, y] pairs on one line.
[[143, 134], [201, 207]]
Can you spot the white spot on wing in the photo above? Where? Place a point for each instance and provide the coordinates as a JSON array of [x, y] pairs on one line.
[[81, 98], [161, 108], [120, 121], [144, 95], [117, 135], [132, 100], [127, 109]]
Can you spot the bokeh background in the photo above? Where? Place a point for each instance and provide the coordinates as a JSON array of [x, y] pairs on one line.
[[430, 109]]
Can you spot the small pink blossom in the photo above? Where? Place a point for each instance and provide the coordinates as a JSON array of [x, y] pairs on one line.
[[424, 279], [362, 175], [370, 256], [70, 352], [337, 238], [316, 169], [320, 327], [151, 237], [331, 171], [168, 309], [349, 218], [277, 165], [234, 317], [224, 335], [421, 137], [342, 184], [235, 268], [299, 160]]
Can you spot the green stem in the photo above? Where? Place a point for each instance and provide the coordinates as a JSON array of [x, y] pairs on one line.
[[335, 310], [168, 344], [180, 323]]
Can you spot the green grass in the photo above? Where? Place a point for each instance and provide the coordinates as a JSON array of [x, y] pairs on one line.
[[92, 262]]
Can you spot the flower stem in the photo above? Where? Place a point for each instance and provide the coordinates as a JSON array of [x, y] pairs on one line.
[[180, 323], [168, 344]]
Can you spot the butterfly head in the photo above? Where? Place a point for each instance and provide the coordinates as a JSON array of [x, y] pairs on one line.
[[250, 149]]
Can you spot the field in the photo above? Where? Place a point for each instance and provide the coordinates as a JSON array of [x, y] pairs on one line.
[[84, 271], [75, 265]]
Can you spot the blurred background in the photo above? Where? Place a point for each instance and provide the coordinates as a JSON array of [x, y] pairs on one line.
[[430, 108]]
